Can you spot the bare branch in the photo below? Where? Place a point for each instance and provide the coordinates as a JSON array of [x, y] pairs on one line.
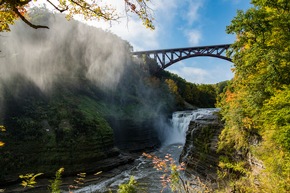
[[28, 22], [60, 10]]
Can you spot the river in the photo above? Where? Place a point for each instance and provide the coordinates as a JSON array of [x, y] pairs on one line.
[[142, 169], [147, 177]]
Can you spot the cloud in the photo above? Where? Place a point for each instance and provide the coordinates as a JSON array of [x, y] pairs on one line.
[[205, 71], [165, 12], [191, 74], [192, 17], [193, 11], [138, 36], [129, 27], [194, 36]]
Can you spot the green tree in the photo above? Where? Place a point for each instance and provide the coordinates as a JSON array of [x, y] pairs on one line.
[[56, 182], [172, 86], [11, 10], [191, 93], [256, 118], [130, 187]]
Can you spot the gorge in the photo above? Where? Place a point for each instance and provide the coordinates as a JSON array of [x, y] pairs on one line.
[[68, 93], [80, 104]]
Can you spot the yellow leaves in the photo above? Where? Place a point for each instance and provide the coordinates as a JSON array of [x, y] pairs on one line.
[[90, 10], [172, 86], [256, 109], [141, 9], [7, 18], [29, 179], [98, 10], [63, 3], [98, 173], [60, 170], [3, 129], [248, 122], [148, 24], [80, 180]]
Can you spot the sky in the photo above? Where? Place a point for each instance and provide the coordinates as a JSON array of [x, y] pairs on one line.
[[182, 23]]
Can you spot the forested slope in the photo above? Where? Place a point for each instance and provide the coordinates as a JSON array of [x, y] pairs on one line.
[[255, 142], [70, 95]]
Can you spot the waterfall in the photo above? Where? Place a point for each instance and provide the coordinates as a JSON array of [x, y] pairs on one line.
[[176, 132], [142, 169]]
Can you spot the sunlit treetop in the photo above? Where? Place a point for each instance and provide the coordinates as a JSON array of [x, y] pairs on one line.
[[11, 10]]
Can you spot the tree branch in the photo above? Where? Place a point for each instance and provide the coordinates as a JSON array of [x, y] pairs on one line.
[[60, 10], [99, 14], [28, 22]]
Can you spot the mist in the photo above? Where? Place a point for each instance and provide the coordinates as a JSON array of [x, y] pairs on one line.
[[70, 50], [44, 55]]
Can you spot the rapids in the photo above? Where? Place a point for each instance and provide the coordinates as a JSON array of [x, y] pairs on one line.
[[147, 177]]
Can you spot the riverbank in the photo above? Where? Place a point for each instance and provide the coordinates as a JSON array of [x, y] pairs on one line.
[[108, 169]]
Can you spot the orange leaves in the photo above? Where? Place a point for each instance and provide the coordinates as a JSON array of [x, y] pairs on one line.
[[170, 168], [22, 9], [140, 8], [90, 10], [230, 96]]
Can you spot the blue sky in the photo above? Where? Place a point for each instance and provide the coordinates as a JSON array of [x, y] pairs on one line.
[[183, 23], [187, 23], [198, 23]]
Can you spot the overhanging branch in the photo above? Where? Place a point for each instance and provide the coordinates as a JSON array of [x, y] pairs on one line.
[[60, 10], [28, 22]]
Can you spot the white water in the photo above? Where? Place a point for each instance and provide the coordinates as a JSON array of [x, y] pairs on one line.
[[147, 177]]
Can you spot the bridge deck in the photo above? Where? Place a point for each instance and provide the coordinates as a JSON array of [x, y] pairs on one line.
[[167, 57], [181, 49]]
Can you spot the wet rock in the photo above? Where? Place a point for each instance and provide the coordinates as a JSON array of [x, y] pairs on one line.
[[132, 136], [199, 152]]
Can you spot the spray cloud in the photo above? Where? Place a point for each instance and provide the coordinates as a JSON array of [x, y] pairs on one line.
[[64, 50], [68, 50]]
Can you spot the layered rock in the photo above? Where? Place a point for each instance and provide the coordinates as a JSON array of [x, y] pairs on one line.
[[199, 152]]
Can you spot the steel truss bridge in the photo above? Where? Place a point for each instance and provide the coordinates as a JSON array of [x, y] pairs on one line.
[[167, 57]]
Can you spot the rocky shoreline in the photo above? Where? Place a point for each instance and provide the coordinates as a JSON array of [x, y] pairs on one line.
[[108, 167]]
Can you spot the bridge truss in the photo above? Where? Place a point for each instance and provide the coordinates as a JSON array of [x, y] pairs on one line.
[[167, 57]]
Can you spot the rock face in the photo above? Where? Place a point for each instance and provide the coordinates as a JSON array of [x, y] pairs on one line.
[[133, 136], [199, 152]]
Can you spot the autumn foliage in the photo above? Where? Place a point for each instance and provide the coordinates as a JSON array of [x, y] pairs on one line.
[[255, 106], [10, 11]]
